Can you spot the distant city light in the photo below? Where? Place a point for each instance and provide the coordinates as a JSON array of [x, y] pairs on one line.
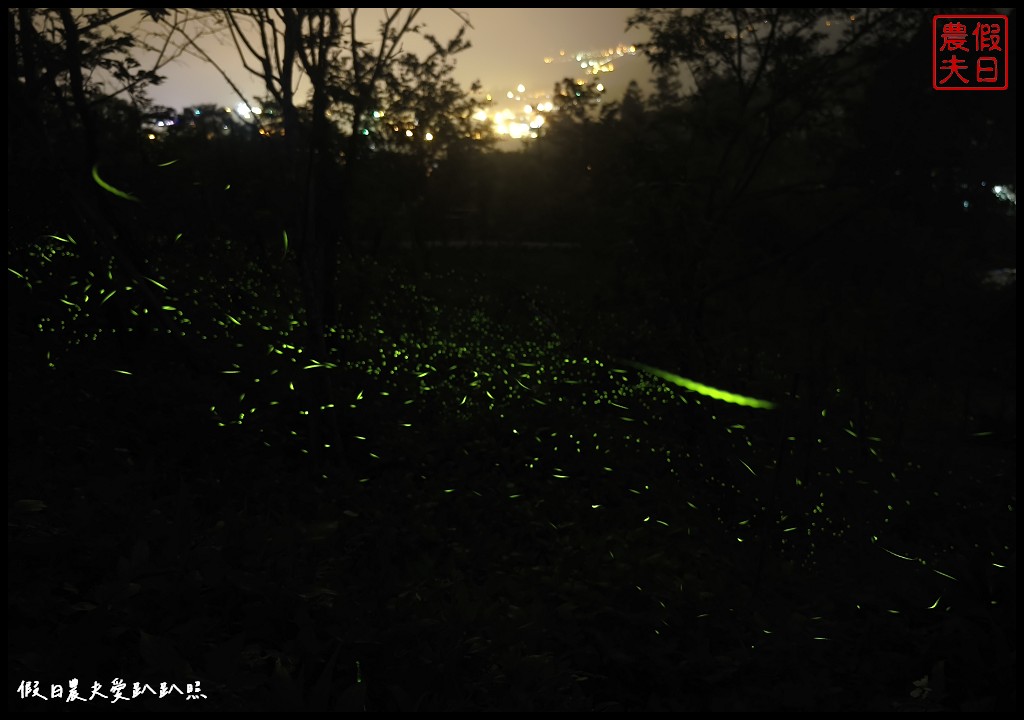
[[594, 62], [524, 119], [1004, 192], [244, 110], [518, 130]]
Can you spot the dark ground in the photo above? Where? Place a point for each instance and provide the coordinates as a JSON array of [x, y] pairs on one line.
[[535, 550]]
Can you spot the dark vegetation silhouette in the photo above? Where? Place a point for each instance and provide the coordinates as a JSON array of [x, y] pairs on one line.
[[309, 412]]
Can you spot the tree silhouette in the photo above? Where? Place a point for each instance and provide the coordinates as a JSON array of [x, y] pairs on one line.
[[71, 74], [322, 155]]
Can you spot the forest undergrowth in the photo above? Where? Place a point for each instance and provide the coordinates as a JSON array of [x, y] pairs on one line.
[[506, 520]]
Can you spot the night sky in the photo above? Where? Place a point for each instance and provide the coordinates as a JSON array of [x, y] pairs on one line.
[[508, 47]]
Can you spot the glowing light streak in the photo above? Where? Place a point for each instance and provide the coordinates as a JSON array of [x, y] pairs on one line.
[[706, 390], [110, 188]]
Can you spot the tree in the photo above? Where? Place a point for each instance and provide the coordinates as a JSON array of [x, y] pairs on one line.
[[351, 79], [798, 204], [62, 66], [773, 73], [755, 135], [347, 78], [75, 95], [577, 100]]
